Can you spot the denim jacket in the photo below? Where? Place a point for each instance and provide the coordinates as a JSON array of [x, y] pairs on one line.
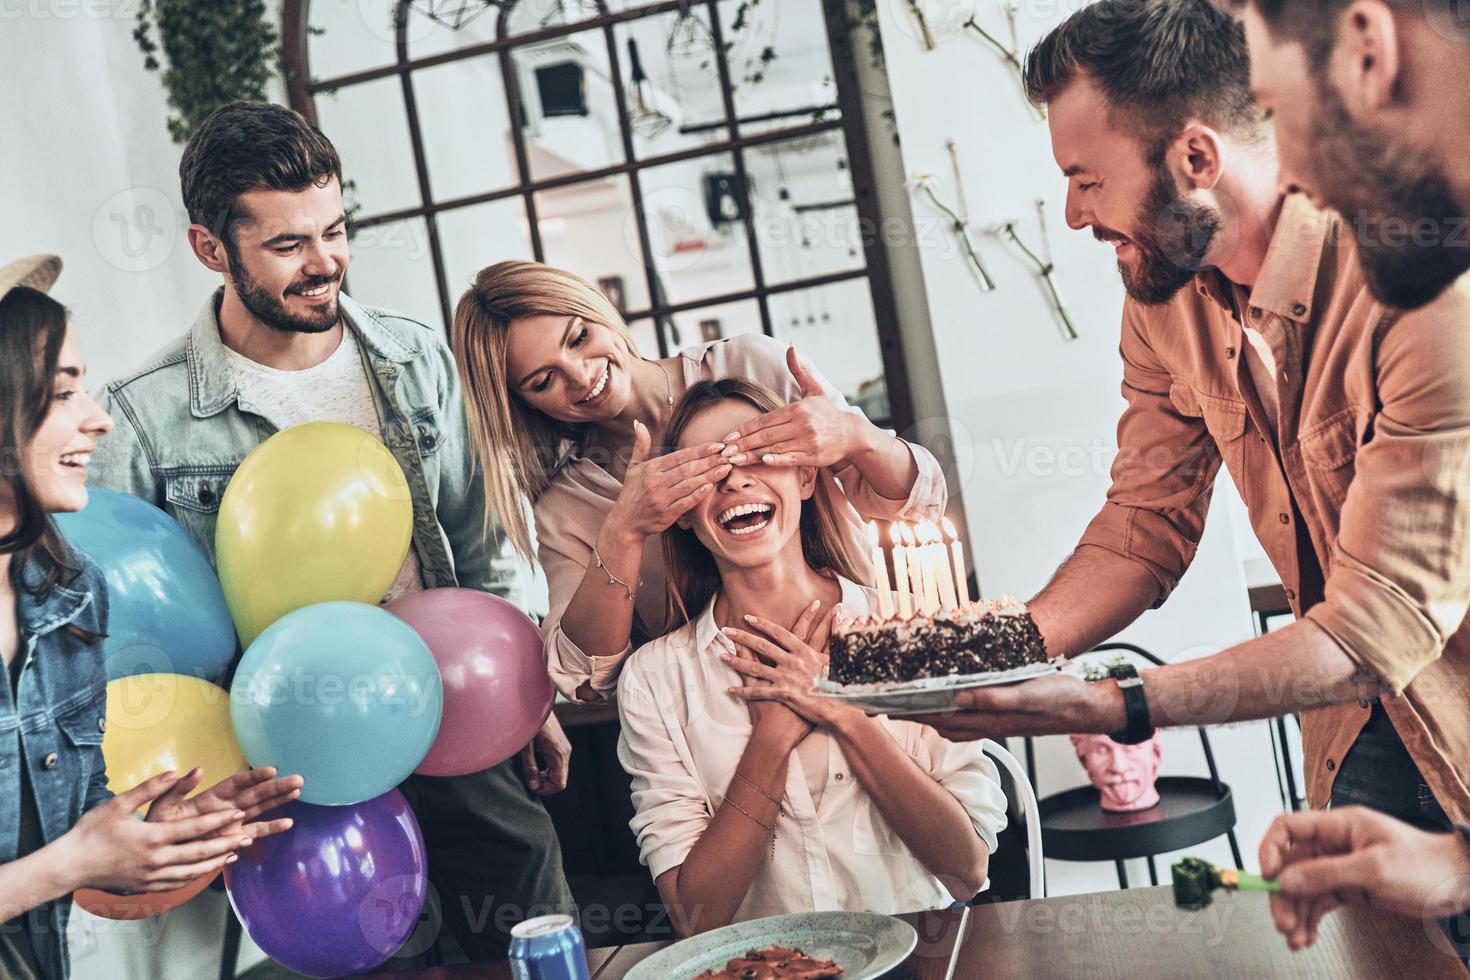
[[181, 428], [54, 728]]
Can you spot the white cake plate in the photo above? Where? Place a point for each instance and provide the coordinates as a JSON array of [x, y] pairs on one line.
[[930, 695]]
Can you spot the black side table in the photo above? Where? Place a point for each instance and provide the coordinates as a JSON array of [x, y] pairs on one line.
[[1074, 827]]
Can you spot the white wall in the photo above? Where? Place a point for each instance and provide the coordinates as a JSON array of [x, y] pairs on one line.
[[1033, 415]]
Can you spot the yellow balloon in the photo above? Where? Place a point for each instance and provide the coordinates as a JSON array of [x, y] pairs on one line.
[[158, 722], [317, 512]]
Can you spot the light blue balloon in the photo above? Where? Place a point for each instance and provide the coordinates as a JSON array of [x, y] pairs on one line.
[[166, 614], [343, 693]]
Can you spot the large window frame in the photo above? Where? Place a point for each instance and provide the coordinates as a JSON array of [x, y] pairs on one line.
[[850, 122]]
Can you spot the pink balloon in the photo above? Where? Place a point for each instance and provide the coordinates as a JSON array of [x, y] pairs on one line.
[[497, 693]]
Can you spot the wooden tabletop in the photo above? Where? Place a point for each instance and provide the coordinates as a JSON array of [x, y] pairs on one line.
[[1137, 934]]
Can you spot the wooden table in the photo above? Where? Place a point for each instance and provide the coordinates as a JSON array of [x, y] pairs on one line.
[[1136, 934]]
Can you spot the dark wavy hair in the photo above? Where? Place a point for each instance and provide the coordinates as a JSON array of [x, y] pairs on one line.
[[691, 576], [244, 146], [1158, 63], [32, 330]]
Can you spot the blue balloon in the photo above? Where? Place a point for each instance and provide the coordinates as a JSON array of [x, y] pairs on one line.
[[167, 614], [343, 693]]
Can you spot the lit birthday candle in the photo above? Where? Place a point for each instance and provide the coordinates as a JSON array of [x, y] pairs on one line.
[[926, 558], [916, 573], [943, 574], [957, 557], [900, 573], [880, 573], [937, 578]]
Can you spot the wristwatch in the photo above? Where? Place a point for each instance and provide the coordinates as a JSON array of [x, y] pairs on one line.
[[1140, 727]]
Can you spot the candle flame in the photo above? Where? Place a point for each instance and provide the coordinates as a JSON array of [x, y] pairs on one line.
[[906, 533], [873, 533], [949, 531], [927, 533]]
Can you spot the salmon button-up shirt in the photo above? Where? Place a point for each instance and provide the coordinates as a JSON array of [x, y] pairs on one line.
[[1358, 489]]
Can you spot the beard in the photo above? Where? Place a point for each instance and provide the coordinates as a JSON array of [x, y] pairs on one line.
[[268, 307], [1411, 231], [1172, 237]]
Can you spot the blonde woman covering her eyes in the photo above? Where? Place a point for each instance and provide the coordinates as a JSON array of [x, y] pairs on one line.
[[566, 415]]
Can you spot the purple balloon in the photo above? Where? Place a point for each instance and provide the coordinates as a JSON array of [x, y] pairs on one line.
[[340, 891]]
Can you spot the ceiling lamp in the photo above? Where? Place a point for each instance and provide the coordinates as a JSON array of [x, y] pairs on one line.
[[455, 14], [644, 115]]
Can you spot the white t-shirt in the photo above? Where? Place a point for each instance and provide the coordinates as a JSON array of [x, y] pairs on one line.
[[336, 390]]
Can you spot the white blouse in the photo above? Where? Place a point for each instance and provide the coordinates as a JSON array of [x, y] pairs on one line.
[[683, 735]]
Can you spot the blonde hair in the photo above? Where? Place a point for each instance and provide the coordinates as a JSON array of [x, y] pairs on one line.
[[691, 576], [518, 448]]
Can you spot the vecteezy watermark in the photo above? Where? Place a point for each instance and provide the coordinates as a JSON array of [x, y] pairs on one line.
[[136, 228], [69, 9], [1094, 915]]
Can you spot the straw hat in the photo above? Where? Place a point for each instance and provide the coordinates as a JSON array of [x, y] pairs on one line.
[[37, 272]]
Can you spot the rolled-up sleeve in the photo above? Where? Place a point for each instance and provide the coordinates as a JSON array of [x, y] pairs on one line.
[[670, 811], [1399, 585], [568, 665], [969, 775], [926, 499], [1163, 473]]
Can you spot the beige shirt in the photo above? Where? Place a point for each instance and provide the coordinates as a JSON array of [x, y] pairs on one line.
[[683, 735], [1362, 501], [570, 512]]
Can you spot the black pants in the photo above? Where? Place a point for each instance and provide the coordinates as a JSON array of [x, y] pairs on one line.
[[1379, 773], [494, 861]]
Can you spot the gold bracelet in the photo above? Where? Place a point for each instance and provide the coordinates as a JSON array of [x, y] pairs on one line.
[[613, 579], [780, 810], [768, 829]]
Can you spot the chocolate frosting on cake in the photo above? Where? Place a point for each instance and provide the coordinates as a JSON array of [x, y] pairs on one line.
[[989, 637]]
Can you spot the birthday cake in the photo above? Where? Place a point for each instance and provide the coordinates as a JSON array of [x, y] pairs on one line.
[[981, 638]]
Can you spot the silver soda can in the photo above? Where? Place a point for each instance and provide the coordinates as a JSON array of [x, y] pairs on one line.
[[548, 947]]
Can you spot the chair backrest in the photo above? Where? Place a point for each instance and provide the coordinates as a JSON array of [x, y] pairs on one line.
[[1021, 797]]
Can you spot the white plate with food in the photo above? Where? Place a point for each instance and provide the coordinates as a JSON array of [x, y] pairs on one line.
[[927, 695], [855, 945]]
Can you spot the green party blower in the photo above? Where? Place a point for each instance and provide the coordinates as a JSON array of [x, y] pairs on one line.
[[1195, 879]]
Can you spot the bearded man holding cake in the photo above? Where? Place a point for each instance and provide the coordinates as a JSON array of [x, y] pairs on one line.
[[1252, 337]]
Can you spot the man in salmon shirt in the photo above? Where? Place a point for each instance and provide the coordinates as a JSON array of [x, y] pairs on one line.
[[1252, 337]]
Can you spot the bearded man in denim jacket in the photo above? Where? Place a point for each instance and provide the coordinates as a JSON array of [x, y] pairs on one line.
[[277, 345]]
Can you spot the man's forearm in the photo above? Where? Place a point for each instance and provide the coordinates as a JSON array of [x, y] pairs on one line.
[[1092, 596], [1296, 668]]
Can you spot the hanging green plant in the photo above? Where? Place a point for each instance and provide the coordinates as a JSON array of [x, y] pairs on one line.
[[213, 52]]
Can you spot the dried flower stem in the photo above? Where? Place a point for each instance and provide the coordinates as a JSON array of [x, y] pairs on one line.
[[923, 25], [961, 230], [1008, 53], [1044, 270]]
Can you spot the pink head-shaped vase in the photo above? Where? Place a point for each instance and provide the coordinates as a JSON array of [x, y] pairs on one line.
[[1123, 774]]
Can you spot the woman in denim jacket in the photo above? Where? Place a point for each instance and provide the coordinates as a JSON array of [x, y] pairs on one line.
[[60, 827]]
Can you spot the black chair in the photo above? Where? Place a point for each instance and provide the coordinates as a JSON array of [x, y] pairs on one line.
[[1191, 810]]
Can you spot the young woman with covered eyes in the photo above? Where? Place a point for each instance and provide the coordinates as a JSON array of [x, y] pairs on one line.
[[751, 796], [566, 414]]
